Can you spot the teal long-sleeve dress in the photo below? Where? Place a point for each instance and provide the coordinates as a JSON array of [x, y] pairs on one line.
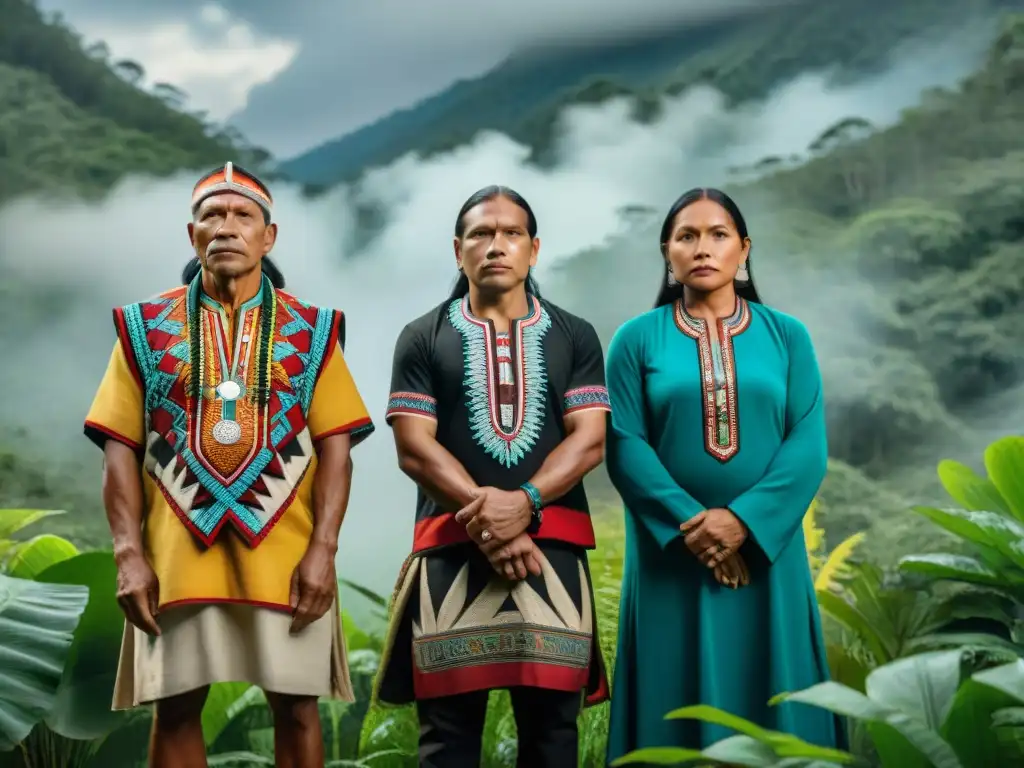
[[698, 424]]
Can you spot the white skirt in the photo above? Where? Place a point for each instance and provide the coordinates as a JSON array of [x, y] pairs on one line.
[[201, 644]]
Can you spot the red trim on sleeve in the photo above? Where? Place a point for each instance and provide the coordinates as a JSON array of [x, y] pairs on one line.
[[99, 434], [344, 429]]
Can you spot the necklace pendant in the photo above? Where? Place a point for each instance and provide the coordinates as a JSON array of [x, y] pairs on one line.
[[227, 432], [229, 390]]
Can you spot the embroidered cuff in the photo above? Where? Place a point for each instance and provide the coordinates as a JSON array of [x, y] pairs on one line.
[[411, 403], [585, 398]]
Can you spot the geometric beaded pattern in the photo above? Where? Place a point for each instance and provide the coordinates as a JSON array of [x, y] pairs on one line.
[[586, 398], [505, 444], [204, 484], [717, 376], [412, 403]]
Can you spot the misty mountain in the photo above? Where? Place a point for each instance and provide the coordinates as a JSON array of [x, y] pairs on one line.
[[745, 57], [75, 121]]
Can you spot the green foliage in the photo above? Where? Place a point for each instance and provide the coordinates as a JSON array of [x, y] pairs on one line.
[[36, 626], [932, 710], [82, 710], [27, 559], [989, 523]]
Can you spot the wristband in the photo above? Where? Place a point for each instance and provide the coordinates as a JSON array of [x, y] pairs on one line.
[[535, 500]]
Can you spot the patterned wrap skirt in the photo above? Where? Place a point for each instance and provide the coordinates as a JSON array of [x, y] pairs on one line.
[[457, 626]]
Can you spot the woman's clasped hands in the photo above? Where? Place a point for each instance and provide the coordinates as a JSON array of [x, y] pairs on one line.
[[715, 536]]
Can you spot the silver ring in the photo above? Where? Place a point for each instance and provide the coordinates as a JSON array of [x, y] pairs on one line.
[[485, 536]]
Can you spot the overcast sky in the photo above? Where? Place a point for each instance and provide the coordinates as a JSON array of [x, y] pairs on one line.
[[339, 64]]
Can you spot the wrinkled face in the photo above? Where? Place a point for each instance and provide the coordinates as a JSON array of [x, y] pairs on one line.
[[496, 250], [230, 236], [704, 249]]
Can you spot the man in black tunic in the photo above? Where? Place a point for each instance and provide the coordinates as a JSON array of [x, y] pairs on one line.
[[498, 408]]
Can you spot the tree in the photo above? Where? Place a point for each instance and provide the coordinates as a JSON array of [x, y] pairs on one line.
[[131, 71], [841, 133], [98, 50], [170, 95]]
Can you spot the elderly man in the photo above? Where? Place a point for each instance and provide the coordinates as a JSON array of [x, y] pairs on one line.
[[226, 417]]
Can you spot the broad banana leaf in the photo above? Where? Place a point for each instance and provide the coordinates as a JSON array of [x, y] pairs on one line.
[[37, 622], [1004, 462], [83, 704], [13, 520], [969, 489], [30, 558]]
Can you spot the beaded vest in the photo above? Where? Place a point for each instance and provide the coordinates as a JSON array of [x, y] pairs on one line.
[[226, 433]]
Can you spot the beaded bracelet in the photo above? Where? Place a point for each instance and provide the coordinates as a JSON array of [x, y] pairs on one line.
[[535, 500]]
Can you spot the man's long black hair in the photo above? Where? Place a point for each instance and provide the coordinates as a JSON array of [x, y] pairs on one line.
[[461, 287], [667, 294]]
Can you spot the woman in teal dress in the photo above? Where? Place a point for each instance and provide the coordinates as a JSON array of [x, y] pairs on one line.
[[717, 447]]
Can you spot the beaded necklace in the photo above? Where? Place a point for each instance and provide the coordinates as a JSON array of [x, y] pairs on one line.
[[230, 389]]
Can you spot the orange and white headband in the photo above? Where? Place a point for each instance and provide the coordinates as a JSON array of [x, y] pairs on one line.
[[232, 179]]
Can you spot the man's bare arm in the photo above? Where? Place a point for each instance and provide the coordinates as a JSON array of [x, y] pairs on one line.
[[581, 451], [314, 582], [138, 590], [122, 498], [332, 485], [429, 465]]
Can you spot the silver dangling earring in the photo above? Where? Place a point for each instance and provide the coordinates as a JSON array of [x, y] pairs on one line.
[[742, 275], [670, 279]]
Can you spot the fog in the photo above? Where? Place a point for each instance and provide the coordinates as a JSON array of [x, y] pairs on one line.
[[134, 244]]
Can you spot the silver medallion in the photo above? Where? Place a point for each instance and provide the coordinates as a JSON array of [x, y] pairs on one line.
[[229, 390], [227, 432]]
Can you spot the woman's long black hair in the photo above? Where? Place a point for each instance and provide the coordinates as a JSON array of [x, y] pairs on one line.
[[461, 287], [269, 268], [745, 289]]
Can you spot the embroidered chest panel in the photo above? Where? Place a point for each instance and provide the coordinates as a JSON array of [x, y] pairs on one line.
[[505, 383], [717, 376], [229, 441]]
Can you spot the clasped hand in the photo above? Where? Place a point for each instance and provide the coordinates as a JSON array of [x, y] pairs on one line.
[[496, 521], [714, 535]]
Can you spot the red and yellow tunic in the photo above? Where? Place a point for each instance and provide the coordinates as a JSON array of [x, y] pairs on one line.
[[228, 511]]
